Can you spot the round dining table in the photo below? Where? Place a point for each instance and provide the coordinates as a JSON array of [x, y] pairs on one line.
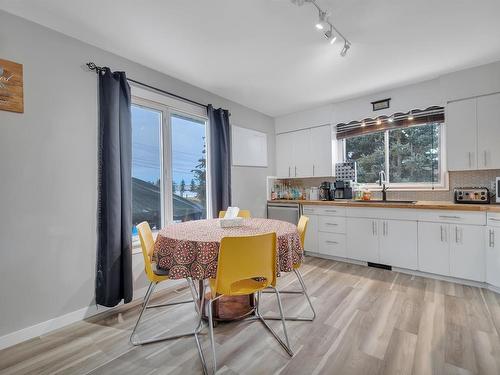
[[190, 250]]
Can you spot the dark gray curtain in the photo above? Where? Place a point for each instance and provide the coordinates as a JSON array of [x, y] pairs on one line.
[[220, 159], [114, 247]]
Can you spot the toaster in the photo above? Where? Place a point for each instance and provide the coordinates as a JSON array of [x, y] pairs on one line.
[[477, 195]]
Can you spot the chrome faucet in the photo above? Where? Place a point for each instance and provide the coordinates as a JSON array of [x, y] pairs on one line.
[[382, 181]]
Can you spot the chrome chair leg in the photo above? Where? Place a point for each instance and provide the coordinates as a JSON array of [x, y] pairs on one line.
[[211, 332], [285, 344], [145, 306], [304, 292]]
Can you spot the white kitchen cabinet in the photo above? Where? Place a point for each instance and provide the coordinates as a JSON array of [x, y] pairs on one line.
[[433, 248], [493, 256], [362, 239], [398, 243], [332, 244], [321, 151], [488, 131], [467, 252], [284, 154], [304, 153], [311, 238], [461, 135], [451, 250]]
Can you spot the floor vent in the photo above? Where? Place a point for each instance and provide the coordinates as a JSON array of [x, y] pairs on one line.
[[383, 266]]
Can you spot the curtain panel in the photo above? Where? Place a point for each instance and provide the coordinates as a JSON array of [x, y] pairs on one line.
[[114, 233], [220, 159]]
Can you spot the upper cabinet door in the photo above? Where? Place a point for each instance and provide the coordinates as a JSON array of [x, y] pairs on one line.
[[284, 154], [488, 131], [461, 131], [321, 151], [301, 158]]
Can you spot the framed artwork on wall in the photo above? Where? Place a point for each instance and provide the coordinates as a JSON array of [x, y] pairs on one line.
[[11, 86]]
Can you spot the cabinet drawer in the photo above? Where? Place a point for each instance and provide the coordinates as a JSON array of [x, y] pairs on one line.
[[494, 219], [452, 217], [331, 224], [323, 210], [332, 244]]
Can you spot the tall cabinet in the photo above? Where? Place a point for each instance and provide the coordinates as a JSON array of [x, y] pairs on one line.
[[305, 153], [473, 130]]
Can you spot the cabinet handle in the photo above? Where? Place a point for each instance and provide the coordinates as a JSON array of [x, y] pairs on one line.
[[441, 228], [493, 219], [490, 238], [330, 210], [456, 234], [331, 224], [332, 242], [470, 162], [485, 158], [289, 172], [313, 169], [374, 228], [450, 217]]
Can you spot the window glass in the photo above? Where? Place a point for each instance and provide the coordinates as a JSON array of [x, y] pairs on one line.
[[146, 167], [414, 154], [368, 151], [188, 168]]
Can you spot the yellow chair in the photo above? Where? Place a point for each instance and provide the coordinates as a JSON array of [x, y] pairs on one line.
[[243, 213], [156, 276], [246, 265], [302, 228]]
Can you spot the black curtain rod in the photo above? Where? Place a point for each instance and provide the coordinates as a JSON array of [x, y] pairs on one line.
[[99, 69]]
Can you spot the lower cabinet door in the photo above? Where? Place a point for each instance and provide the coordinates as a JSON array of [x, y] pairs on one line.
[[493, 256], [311, 239], [434, 248], [362, 239], [398, 243], [332, 244], [467, 252]]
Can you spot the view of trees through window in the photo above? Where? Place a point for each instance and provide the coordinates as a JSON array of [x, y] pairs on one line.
[[413, 154], [186, 165]]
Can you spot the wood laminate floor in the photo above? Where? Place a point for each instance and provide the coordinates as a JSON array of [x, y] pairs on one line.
[[370, 321]]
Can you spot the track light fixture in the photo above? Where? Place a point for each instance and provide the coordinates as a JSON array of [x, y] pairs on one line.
[[323, 23]]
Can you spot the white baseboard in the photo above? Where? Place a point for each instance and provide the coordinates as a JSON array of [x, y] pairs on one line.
[[46, 327]]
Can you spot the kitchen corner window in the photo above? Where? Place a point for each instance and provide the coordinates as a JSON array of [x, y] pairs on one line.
[[411, 157], [169, 159]]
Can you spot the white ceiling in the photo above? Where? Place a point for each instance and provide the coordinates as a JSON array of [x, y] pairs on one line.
[[267, 55]]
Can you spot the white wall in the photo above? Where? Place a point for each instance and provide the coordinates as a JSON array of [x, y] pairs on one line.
[[48, 174], [462, 84]]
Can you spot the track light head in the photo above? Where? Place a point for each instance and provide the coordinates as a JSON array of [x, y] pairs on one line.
[[321, 24], [346, 47], [330, 36]]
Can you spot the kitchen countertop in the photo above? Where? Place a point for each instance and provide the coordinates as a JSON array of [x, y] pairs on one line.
[[427, 205]]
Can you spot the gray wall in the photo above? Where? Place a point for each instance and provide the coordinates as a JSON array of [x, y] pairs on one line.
[[48, 172]]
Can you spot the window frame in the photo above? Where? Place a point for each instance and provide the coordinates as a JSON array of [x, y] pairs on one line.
[[405, 186], [169, 107]]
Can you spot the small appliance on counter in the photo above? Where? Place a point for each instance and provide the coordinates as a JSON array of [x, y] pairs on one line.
[[474, 195], [324, 191], [343, 190]]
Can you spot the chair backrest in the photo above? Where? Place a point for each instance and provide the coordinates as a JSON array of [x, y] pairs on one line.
[[245, 258], [302, 227], [243, 213], [147, 246]]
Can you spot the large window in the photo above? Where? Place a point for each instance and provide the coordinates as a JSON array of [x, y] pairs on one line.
[[168, 164], [410, 156]]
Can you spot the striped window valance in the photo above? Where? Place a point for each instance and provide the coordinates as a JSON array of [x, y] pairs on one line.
[[397, 120]]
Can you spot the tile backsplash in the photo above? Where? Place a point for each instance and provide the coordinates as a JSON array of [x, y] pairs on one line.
[[482, 178]]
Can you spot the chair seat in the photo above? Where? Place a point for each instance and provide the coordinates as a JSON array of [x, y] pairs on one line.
[[243, 287]]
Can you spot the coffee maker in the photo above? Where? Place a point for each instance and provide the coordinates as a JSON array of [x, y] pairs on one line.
[[324, 191], [343, 190]]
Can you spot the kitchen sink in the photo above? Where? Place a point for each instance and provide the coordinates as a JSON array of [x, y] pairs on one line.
[[389, 201]]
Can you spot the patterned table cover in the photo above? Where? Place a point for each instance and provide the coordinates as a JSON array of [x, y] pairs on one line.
[[191, 249]]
